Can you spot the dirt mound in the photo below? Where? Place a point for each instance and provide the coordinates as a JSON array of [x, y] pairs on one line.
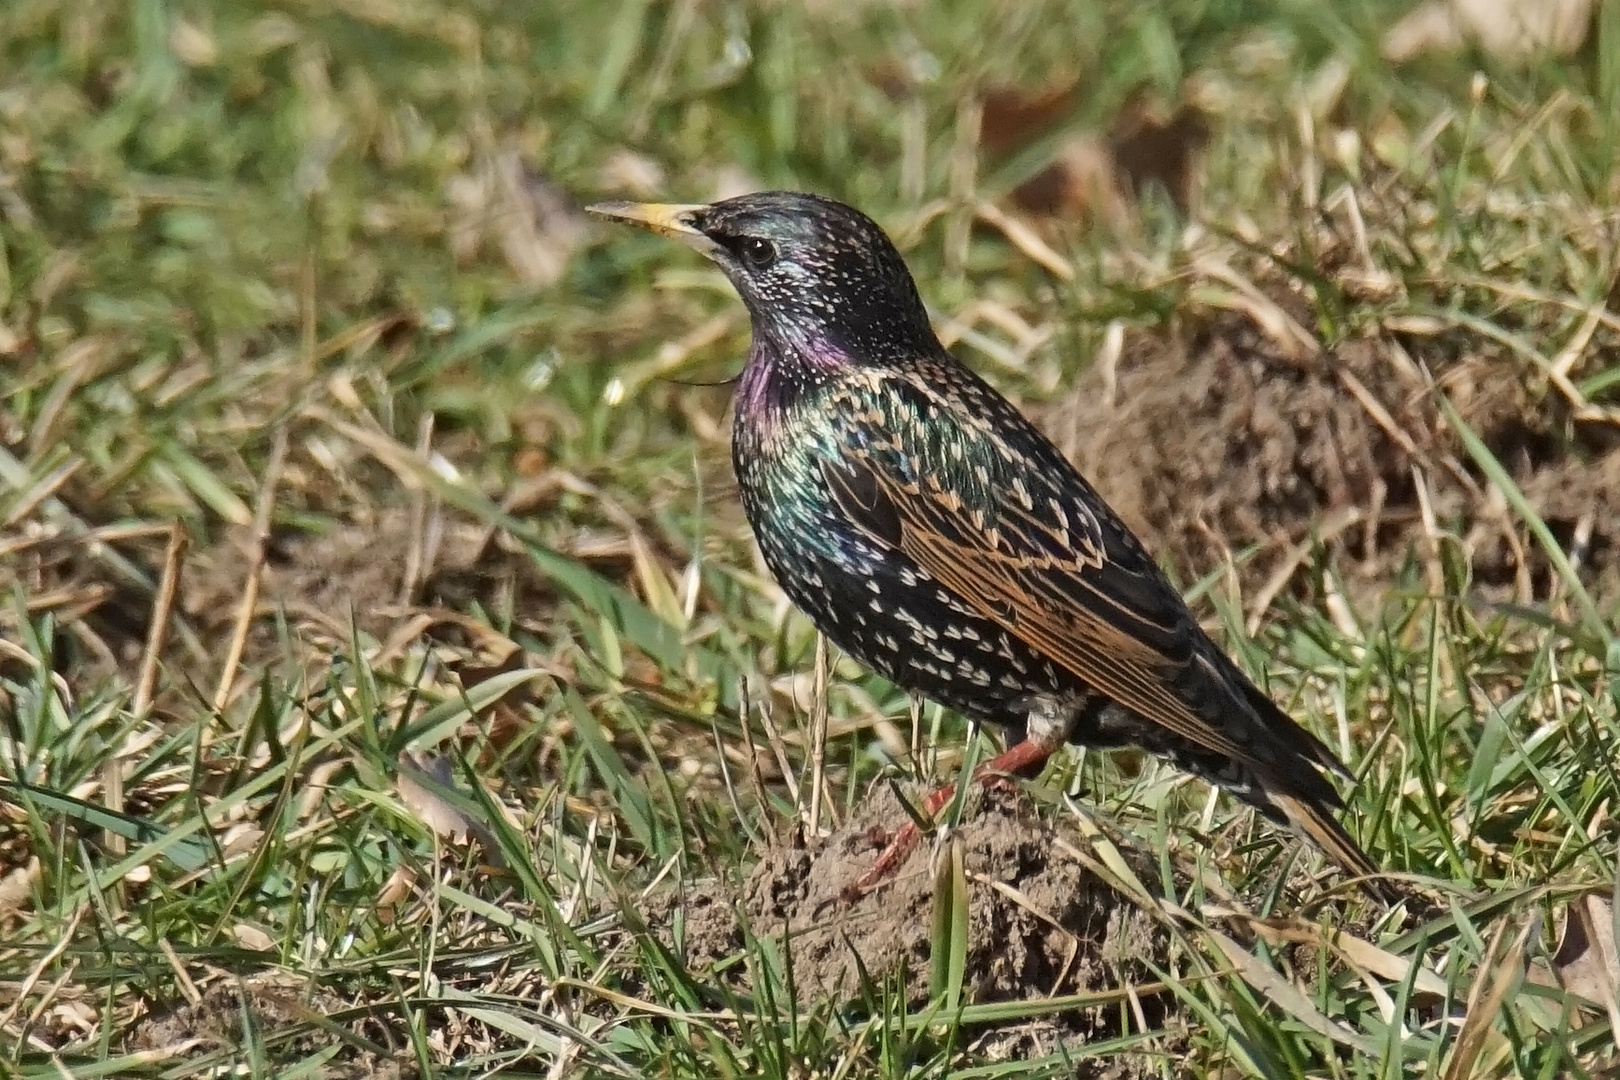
[[1219, 439], [259, 1011], [1040, 924]]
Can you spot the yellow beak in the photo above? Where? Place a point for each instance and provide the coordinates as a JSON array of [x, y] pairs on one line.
[[666, 219]]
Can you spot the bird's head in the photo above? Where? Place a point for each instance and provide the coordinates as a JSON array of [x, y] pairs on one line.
[[814, 273]]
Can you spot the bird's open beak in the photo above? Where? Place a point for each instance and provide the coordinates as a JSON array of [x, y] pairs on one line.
[[666, 219]]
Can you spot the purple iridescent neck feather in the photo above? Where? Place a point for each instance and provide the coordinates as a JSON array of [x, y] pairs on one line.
[[781, 369]]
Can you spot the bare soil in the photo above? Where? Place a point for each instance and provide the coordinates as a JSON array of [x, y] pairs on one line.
[[1216, 438], [1040, 924]]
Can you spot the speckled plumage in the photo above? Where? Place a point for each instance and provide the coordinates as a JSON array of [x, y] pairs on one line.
[[927, 528]]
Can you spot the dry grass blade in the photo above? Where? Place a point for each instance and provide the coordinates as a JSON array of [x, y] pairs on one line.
[[756, 774], [419, 555], [818, 736], [773, 735], [42, 965], [247, 607], [1294, 341], [45, 488], [112, 775], [1018, 897], [1360, 954], [1285, 995], [182, 979], [162, 611], [1575, 347], [1025, 239], [1485, 1002], [1297, 556]]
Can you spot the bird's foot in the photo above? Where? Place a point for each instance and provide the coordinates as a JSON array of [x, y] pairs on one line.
[[993, 773], [898, 848]]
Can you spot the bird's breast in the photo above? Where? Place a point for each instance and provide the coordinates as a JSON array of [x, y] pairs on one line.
[[870, 599]]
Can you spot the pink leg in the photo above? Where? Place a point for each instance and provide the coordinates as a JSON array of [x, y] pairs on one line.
[[1015, 759]]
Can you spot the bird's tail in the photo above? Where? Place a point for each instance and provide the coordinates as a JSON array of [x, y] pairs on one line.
[[1321, 828]]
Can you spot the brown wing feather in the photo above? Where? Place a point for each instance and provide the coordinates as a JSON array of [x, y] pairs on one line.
[[1016, 590]]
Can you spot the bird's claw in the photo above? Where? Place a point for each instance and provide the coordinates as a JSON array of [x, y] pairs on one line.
[[888, 861]]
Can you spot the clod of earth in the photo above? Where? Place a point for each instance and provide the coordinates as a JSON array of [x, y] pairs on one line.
[[1040, 923]]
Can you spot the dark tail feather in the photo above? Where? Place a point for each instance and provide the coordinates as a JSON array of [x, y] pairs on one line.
[[1322, 829], [1300, 740]]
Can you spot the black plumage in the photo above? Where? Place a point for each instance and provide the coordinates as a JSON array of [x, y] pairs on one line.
[[930, 530]]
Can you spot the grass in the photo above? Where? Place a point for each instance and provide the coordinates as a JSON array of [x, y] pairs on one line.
[[382, 648]]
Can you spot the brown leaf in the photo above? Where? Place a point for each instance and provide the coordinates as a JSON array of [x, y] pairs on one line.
[[1081, 184], [1100, 178], [395, 891], [252, 938], [1149, 149], [1586, 961], [1013, 117], [17, 888], [420, 798]]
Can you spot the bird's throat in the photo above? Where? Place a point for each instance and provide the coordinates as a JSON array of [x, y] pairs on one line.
[[780, 376]]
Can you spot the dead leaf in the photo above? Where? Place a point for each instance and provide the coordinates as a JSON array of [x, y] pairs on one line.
[[252, 938], [394, 892], [418, 776], [1012, 117], [1509, 30], [1587, 962], [1081, 184], [420, 799], [1151, 149], [1092, 177], [241, 837], [17, 888]]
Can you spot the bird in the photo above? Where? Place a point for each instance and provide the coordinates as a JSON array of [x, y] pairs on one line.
[[930, 530]]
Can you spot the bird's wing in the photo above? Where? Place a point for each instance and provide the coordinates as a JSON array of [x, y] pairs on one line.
[[1021, 538]]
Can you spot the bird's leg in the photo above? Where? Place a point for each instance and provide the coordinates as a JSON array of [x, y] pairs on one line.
[[1040, 744]]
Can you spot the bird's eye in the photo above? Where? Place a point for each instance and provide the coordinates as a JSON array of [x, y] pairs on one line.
[[756, 254]]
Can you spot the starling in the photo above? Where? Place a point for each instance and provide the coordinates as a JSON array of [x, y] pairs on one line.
[[929, 530]]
